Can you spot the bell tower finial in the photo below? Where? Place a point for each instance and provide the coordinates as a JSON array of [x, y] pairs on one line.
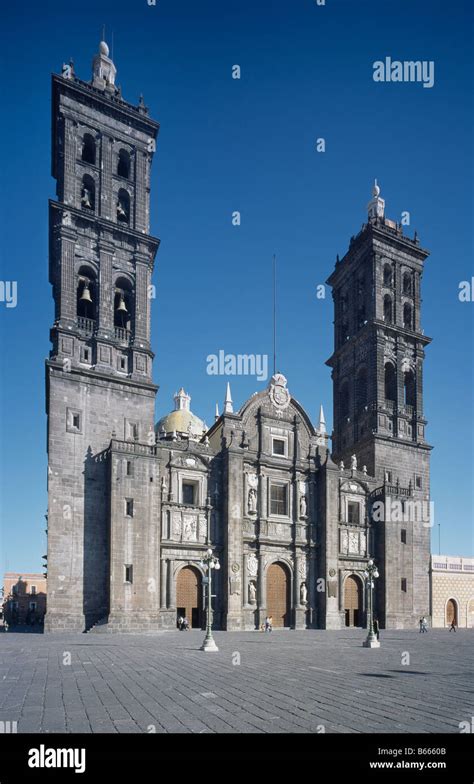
[[376, 206], [103, 68]]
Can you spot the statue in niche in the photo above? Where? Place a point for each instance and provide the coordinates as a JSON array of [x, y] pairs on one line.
[[303, 593], [86, 198], [121, 211], [354, 463], [303, 506], [252, 592], [252, 501], [341, 465]]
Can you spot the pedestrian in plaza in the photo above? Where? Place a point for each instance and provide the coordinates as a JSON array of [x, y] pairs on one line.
[[376, 628], [452, 628], [267, 624], [424, 625], [180, 623], [270, 624], [185, 624]]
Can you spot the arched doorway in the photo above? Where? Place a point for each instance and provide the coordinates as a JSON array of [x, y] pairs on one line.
[[189, 596], [353, 601], [451, 612], [278, 594]]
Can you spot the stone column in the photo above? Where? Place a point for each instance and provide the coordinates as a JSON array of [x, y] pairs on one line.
[[261, 589], [300, 609], [142, 304], [106, 294], [163, 584], [67, 296], [246, 582], [107, 205], [171, 585], [233, 534]]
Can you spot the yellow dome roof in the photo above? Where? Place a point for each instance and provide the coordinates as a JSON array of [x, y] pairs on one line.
[[181, 420]]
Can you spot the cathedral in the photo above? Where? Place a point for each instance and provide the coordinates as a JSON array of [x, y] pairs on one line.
[[133, 505]]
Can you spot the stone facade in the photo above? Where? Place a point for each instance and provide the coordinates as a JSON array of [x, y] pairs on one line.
[[24, 597], [133, 507], [452, 589]]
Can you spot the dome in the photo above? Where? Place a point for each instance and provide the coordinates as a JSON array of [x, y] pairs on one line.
[[103, 48], [181, 422]]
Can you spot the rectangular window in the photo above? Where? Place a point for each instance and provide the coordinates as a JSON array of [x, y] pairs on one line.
[[129, 507], [418, 482], [188, 493], [278, 446], [33, 589], [278, 499], [129, 468], [32, 605], [353, 512], [128, 573], [403, 536], [122, 363], [388, 476], [404, 584]]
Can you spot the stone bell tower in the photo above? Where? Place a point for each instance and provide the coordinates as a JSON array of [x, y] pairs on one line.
[[99, 372], [377, 372]]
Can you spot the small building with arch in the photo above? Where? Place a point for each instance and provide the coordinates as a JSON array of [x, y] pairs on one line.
[[452, 591]]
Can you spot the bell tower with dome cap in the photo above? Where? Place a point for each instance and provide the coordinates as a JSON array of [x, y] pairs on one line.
[[377, 372], [99, 372]]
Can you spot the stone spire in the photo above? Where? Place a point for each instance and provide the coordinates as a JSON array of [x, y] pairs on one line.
[[322, 421], [376, 206], [103, 69], [228, 409]]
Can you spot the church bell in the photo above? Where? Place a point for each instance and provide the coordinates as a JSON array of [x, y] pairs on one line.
[[86, 295], [121, 306]]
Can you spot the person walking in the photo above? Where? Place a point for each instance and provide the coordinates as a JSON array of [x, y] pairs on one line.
[[267, 624], [452, 627], [376, 628], [180, 623], [421, 624], [424, 625], [185, 624], [270, 624]]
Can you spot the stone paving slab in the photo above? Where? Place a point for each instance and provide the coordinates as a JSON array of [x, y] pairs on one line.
[[284, 682]]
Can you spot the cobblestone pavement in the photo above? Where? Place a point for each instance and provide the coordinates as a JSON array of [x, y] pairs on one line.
[[287, 681]]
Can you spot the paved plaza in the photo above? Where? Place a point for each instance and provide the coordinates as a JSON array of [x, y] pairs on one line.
[[286, 681]]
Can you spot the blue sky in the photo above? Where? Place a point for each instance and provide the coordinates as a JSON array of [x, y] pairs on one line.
[[249, 145]]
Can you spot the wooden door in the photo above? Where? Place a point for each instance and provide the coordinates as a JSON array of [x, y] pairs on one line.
[[451, 613], [353, 601], [278, 595], [189, 595]]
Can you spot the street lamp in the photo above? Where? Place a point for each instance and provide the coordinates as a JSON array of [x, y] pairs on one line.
[[209, 562], [371, 573]]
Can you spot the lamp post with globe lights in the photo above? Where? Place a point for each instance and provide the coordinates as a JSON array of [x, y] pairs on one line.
[[209, 562], [371, 573]]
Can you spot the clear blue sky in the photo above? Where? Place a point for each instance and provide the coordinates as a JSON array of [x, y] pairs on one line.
[[249, 145]]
